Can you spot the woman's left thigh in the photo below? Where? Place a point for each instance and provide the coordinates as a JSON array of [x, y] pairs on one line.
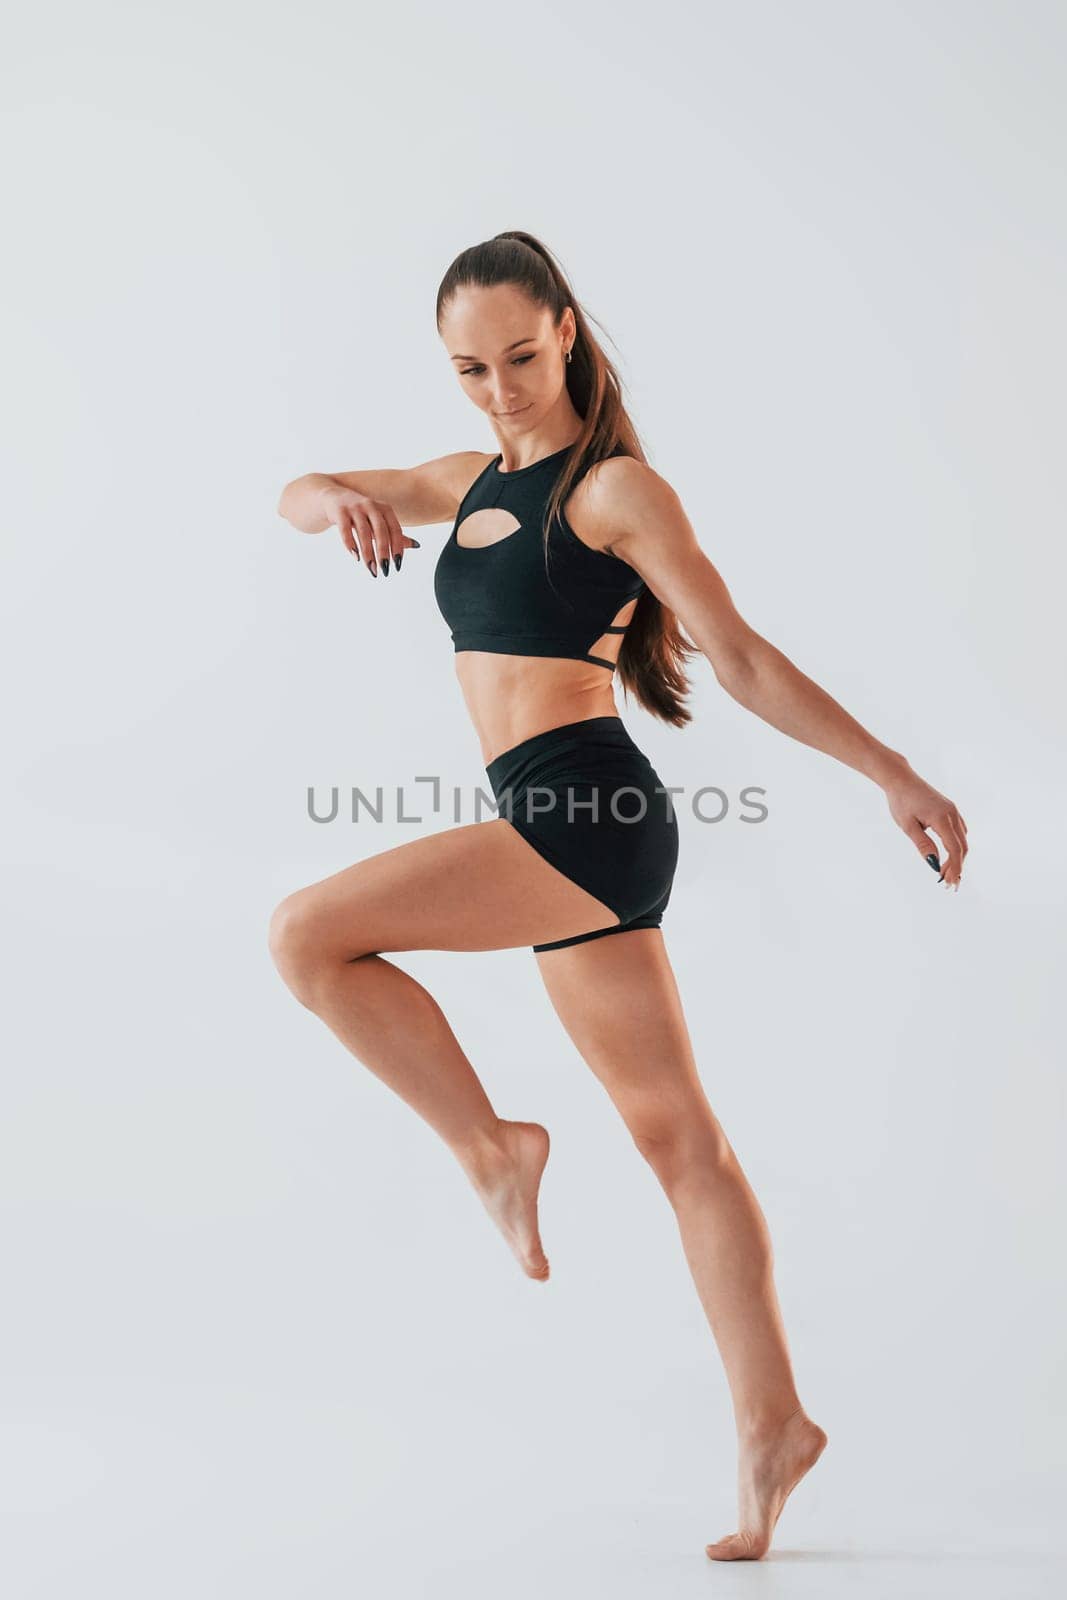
[[618, 1000]]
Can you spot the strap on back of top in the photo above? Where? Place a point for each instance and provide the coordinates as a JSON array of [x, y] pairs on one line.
[[602, 661]]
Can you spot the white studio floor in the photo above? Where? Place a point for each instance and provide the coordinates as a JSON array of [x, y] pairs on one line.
[[249, 1491]]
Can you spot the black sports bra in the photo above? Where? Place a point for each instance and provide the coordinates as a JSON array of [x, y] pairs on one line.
[[497, 596]]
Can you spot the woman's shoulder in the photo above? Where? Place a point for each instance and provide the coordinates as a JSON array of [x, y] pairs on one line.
[[618, 491], [591, 512], [464, 469], [615, 481]]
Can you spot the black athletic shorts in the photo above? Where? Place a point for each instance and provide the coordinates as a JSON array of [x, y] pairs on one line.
[[591, 803]]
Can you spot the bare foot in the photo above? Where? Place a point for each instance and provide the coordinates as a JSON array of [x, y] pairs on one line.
[[769, 1468], [507, 1178]]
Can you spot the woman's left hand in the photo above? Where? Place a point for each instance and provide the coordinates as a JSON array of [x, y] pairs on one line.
[[915, 806]]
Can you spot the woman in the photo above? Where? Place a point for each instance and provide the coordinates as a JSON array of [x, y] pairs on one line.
[[570, 558]]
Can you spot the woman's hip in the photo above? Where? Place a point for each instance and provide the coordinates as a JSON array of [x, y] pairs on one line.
[[589, 799]]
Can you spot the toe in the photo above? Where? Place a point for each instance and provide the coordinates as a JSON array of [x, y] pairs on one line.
[[722, 1549], [735, 1547], [536, 1260]]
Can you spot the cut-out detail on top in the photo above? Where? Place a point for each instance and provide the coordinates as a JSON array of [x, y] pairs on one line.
[[604, 641], [489, 526]]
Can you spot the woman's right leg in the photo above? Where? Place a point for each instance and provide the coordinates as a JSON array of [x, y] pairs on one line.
[[477, 887]]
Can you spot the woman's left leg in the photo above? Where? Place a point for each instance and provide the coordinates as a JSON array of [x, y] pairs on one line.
[[617, 998]]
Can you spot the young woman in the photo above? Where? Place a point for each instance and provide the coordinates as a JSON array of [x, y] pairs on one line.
[[569, 560]]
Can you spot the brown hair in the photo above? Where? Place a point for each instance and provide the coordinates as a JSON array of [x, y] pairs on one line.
[[654, 649]]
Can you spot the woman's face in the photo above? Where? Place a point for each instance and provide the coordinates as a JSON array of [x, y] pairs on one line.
[[507, 354]]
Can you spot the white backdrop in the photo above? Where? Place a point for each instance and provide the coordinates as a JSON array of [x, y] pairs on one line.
[[259, 1336]]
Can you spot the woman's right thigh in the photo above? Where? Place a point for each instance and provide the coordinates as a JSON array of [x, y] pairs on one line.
[[481, 886]]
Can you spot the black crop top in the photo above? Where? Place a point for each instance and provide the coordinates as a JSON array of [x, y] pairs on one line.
[[498, 596]]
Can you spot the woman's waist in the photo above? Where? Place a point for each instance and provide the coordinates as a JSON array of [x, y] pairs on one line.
[[511, 698], [584, 753]]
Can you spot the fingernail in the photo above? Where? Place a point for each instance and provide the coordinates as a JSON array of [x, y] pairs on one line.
[[385, 566], [399, 559], [416, 543], [373, 565], [356, 554], [934, 862]]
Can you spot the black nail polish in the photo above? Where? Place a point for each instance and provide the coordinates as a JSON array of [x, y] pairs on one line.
[[416, 543], [934, 862], [399, 559], [385, 566]]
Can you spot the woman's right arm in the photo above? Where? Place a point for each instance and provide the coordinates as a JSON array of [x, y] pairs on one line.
[[369, 507], [419, 495]]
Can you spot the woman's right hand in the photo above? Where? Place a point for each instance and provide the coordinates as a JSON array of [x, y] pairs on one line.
[[369, 528]]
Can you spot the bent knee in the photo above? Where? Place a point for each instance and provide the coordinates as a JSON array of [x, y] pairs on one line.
[[304, 938], [679, 1146], [295, 937]]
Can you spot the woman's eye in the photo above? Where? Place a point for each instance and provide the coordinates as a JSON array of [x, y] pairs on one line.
[[473, 372]]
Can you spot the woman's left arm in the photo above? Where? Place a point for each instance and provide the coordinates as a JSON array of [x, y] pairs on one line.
[[650, 531]]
